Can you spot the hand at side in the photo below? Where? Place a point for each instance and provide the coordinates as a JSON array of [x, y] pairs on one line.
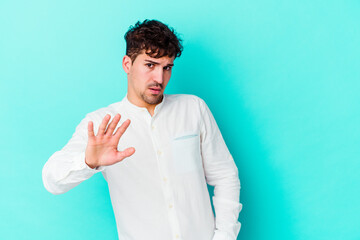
[[101, 149]]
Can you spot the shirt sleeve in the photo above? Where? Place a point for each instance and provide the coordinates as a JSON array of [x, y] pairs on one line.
[[222, 173], [66, 168]]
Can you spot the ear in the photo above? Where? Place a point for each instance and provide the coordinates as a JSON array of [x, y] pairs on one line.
[[126, 64]]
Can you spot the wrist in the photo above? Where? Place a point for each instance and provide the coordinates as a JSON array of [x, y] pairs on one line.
[[90, 164]]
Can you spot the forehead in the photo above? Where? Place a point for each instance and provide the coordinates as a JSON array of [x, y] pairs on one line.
[[143, 57]]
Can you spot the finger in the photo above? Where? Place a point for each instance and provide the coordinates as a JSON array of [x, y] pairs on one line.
[[112, 125], [103, 125], [91, 129], [120, 131], [126, 153]]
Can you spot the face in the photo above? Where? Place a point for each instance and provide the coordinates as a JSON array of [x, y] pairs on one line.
[[147, 78]]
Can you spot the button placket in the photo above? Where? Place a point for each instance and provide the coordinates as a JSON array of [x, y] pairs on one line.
[[165, 181]]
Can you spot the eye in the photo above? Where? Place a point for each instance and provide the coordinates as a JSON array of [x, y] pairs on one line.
[[167, 68], [149, 65]]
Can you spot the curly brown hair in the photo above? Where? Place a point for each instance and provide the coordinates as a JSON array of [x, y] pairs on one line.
[[153, 37]]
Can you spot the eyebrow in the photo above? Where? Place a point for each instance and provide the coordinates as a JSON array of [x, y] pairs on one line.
[[156, 63]]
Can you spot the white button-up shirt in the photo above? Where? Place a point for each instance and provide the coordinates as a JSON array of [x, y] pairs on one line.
[[160, 192]]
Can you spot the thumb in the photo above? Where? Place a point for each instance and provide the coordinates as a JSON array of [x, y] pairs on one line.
[[126, 153]]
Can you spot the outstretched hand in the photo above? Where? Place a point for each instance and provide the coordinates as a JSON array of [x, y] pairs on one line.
[[101, 149]]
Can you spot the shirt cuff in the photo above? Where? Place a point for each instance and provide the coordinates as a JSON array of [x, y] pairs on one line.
[[81, 165], [221, 235], [226, 220]]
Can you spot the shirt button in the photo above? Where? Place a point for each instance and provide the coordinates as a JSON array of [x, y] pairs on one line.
[[177, 236], [159, 152], [170, 206], [165, 179], [152, 127]]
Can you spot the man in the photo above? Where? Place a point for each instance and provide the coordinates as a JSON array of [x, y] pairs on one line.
[[172, 148]]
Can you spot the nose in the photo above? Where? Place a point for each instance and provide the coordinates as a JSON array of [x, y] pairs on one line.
[[159, 76]]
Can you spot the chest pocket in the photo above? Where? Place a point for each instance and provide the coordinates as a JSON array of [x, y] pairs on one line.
[[186, 154]]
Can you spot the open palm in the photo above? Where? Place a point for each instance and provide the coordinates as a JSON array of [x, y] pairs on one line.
[[101, 149]]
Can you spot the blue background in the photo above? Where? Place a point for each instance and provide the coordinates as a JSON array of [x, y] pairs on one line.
[[282, 79]]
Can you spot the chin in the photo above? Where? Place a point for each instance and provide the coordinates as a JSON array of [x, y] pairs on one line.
[[152, 99]]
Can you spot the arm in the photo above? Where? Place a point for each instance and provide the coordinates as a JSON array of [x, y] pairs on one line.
[[221, 172], [85, 154]]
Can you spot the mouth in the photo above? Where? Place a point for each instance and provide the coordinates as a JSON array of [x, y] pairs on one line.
[[155, 90]]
